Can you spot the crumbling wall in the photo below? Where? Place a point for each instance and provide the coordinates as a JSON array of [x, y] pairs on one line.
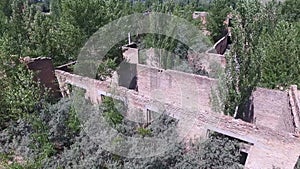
[[203, 17], [189, 91], [295, 107], [270, 146], [127, 75], [271, 109], [221, 45], [44, 73], [210, 62], [131, 55]]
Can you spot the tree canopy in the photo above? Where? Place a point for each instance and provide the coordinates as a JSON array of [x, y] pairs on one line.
[[47, 134]]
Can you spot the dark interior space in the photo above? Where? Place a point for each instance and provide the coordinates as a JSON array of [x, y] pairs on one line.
[[243, 158], [127, 73]]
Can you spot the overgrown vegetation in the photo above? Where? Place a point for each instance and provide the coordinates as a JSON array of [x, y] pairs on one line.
[[264, 52], [110, 112], [280, 56], [244, 61], [218, 12], [36, 133], [49, 141]]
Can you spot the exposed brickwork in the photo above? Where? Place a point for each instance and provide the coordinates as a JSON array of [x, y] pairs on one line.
[[203, 17], [271, 147], [271, 109], [203, 61], [190, 91], [44, 72], [187, 97], [221, 46], [130, 54], [294, 97]]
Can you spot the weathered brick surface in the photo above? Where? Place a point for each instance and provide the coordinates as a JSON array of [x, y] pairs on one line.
[[131, 54], [189, 91], [271, 109], [221, 45], [44, 72], [271, 147], [294, 97], [186, 97]]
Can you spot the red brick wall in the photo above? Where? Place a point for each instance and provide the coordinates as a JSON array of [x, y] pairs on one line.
[[188, 91], [44, 73], [270, 147]]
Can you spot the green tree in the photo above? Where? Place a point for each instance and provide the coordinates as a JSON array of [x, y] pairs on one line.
[[217, 13], [5, 7], [56, 9], [280, 56], [271, 15], [60, 41], [15, 40], [20, 94], [243, 62], [90, 15], [221, 152], [291, 10], [3, 18], [86, 15], [111, 113]]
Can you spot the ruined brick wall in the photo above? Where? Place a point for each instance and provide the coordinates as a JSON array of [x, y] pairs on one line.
[[67, 67], [180, 89], [294, 97], [208, 61], [127, 75], [44, 73], [216, 53], [130, 54], [203, 17], [186, 97], [269, 147], [271, 109], [221, 45]]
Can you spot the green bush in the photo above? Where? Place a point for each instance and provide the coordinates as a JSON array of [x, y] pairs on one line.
[[110, 112], [143, 131]]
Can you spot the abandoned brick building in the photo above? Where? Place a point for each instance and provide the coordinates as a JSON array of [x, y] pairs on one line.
[[271, 139]]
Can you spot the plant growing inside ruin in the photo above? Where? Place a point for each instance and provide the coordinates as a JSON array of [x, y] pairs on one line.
[[143, 131], [110, 112], [106, 69]]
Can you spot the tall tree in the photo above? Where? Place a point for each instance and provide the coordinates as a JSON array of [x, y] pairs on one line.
[[20, 94], [280, 56], [217, 13], [60, 41], [243, 62]]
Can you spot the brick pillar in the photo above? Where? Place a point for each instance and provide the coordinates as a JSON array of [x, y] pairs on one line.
[[65, 92], [295, 107]]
